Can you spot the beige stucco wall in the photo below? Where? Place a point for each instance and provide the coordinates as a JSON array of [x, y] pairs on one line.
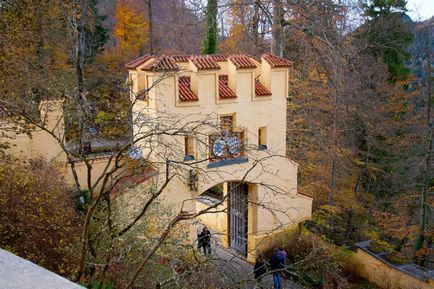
[[384, 275], [38, 143], [100, 166], [41, 143], [272, 184]]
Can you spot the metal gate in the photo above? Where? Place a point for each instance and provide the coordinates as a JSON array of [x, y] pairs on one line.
[[238, 193]]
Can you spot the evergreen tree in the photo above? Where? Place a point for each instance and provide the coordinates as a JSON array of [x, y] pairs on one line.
[[209, 45], [388, 35], [96, 33]]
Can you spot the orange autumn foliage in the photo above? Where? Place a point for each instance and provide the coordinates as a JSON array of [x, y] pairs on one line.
[[131, 27]]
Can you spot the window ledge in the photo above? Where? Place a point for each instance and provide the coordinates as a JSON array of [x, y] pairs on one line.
[[262, 147], [188, 158], [209, 201], [227, 162]]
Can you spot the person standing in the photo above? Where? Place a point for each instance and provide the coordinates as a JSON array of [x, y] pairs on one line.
[[276, 266], [259, 270], [204, 240], [284, 256]]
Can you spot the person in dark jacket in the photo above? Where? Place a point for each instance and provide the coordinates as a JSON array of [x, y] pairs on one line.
[[284, 256], [276, 266], [204, 240], [259, 270]]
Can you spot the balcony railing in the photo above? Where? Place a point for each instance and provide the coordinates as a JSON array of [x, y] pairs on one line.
[[226, 148]]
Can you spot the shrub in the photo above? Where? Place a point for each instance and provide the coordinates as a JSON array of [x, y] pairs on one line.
[[37, 217], [313, 262]]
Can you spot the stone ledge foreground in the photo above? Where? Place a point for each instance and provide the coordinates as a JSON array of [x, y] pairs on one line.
[[18, 273]]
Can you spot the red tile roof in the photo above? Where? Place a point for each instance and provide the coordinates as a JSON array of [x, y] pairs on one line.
[[204, 62], [224, 91], [275, 61], [219, 57], [185, 92], [129, 182], [162, 63], [181, 58], [260, 89], [139, 61], [242, 61]]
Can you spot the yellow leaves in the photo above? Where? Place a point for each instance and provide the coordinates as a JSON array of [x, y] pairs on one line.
[[132, 27], [35, 210], [236, 36]]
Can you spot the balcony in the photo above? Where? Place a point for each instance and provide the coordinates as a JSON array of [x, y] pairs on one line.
[[226, 148]]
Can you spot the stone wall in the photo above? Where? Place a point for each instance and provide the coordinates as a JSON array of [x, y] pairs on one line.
[[388, 276]]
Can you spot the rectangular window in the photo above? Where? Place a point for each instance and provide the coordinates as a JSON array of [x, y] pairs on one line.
[[262, 138], [188, 148]]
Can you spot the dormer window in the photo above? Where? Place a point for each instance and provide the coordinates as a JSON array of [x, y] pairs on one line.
[[224, 91], [184, 88], [261, 90]]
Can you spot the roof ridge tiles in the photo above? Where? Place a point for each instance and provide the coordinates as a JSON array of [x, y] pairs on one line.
[[138, 61], [275, 61], [162, 63], [204, 62], [242, 61]]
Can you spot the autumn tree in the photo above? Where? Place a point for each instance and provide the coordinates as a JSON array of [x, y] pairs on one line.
[[423, 242], [131, 28], [34, 49], [246, 35], [38, 217]]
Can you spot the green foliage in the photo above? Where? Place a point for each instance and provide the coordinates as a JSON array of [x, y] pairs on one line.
[[209, 45], [82, 201], [388, 34], [96, 34], [374, 8], [376, 248], [396, 259], [107, 285]]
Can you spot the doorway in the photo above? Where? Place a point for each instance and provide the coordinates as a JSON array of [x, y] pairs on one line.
[[238, 223]]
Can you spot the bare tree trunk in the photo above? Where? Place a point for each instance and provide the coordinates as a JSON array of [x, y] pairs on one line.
[[333, 174], [80, 49], [151, 27], [255, 22], [364, 171], [276, 43], [424, 206], [40, 45], [81, 99]]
